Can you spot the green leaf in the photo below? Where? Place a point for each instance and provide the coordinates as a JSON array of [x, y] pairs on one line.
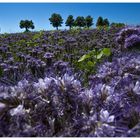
[[84, 57], [106, 51], [99, 56], [36, 36], [90, 64], [92, 52]]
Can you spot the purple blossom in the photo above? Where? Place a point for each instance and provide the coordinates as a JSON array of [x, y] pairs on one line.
[[48, 55], [132, 41], [136, 88], [41, 93], [105, 117], [17, 111], [128, 37]]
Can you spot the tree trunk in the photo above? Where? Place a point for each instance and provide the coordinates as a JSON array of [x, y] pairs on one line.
[[26, 29], [56, 28]]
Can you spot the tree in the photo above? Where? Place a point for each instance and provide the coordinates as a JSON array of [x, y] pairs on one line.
[[74, 24], [70, 21], [106, 22], [99, 22], [56, 20], [80, 21], [89, 21], [27, 24], [118, 25]]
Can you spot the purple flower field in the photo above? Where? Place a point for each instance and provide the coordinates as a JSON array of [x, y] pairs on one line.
[[46, 92]]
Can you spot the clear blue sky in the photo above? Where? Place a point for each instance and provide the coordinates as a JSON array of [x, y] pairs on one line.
[[12, 13]]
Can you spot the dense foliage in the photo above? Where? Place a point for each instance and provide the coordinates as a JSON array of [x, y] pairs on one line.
[[56, 20], [106, 22], [27, 24], [42, 83], [102, 22], [117, 24], [86, 22], [99, 22], [70, 21], [80, 21], [89, 21]]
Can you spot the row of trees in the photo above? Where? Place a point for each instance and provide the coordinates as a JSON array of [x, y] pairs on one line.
[[57, 21]]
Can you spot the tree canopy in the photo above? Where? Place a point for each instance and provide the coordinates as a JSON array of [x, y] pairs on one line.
[[27, 24], [56, 20], [80, 21], [102, 22], [89, 21], [106, 22], [114, 24], [70, 21], [99, 22]]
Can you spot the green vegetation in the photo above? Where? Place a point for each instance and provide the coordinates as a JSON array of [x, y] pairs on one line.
[[117, 25], [106, 22], [70, 21], [89, 21], [88, 62], [99, 22], [102, 22], [27, 24], [80, 21], [56, 20]]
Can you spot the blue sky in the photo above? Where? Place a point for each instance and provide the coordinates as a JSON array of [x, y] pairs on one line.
[[12, 13]]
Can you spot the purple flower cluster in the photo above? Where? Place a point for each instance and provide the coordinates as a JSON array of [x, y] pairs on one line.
[[42, 92], [129, 37], [133, 40], [60, 106], [35, 55]]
